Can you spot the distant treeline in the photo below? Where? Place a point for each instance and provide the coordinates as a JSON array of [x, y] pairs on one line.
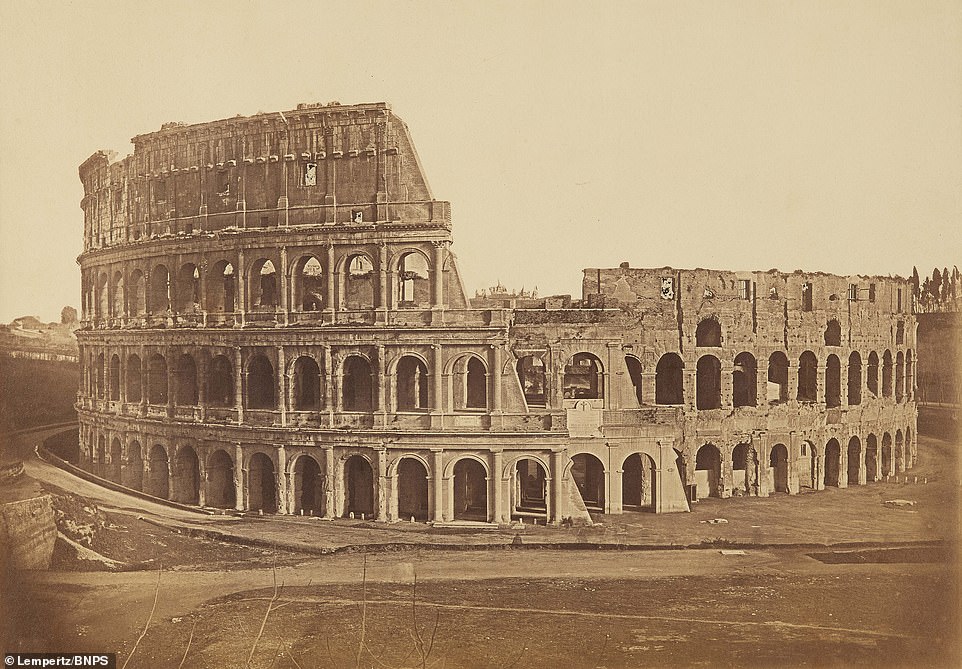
[[36, 392]]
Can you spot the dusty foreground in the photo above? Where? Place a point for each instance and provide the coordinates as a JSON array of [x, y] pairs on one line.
[[641, 603]]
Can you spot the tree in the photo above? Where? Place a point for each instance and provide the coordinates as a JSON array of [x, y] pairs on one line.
[[915, 281], [68, 316], [946, 287], [936, 285]]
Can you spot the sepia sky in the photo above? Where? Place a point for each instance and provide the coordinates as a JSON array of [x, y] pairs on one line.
[[733, 135]]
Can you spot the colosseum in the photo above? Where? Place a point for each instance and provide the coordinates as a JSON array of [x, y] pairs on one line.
[[274, 322]]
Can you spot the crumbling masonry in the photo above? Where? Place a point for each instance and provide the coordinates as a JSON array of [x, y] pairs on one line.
[[273, 320]]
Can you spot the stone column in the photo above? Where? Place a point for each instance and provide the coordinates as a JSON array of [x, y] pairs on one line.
[[437, 294], [437, 395], [820, 380], [496, 488], [496, 365], [241, 281], [382, 484], [792, 379], [282, 480], [281, 384], [329, 385], [202, 477], [383, 298], [763, 448], [329, 481], [437, 478], [793, 455], [329, 281], [239, 502], [381, 384], [239, 385], [171, 382], [144, 381], [285, 282], [202, 376], [862, 472], [557, 485], [648, 387], [727, 385]]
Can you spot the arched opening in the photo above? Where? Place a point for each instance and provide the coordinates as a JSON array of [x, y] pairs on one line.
[[186, 381], [470, 383], [638, 482], [186, 476], [854, 379], [808, 466], [531, 374], [833, 333], [357, 385], [358, 292], [871, 459], [807, 377], [100, 467], [308, 284], [307, 384], [909, 457], [411, 384], [158, 472], [137, 294], [833, 381], [116, 459], [117, 291], [134, 382], [188, 289], [132, 471], [157, 379], [708, 383], [358, 487], [584, 378], [909, 377], [413, 285], [263, 286], [708, 479], [412, 494], [708, 333], [221, 491], [308, 487], [833, 462], [261, 484], [899, 453], [854, 459], [669, 380], [899, 376], [588, 473], [777, 390], [261, 383], [220, 390], [221, 288], [778, 461], [871, 380], [635, 374], [530, 492], [887, 463], [160, 290], [887, 374], [470, 490], [113, 385], [103, 296], [99, 379], [745, 381], [745, 469]]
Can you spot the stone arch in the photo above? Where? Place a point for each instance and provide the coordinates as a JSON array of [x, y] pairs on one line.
[[132, 471], [470, 489], [469, 382], [584, 377], [411, 383], [811, 476], [413, 286], [262, 483], [638, 482], [221, 491], [306, 384], [263, 286], [872, 376], [887, 374], [854, 378], [158, 479], [669, 380], [135, 389], [708, 383], [899, 452], [636, 374], [100, 377], [116, 459], [308, 482], [588, 473], [833, 463], [103, 296], [186, 394], [117, 308], [745, 380], [113, 382], [708, 474], [412, 488], [854, 460], [778, 461], [261, 383], [529, 492], [220, 386], [745, 468], [157, 379], [100, 467], [186, 477], [357, 384], [533, 379], [358, 487], [307, 284], [188, 289], [807, 377], [909, 455], [221, 287], [137, 294], [778, 377], [909, 376], [833, 381], [708, 333], [888, 468], [872, 463], [357, 281], [160, 302], [899, 376]]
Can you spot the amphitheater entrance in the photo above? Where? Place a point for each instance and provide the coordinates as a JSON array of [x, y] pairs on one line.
[[186, 476], [887, 455], [530, 490], [262, 488], [412, 493], [854, 460], [470, 491], [358, 488], [871, 459], [778, 461], [133, 471], [808, 466], [221, 492], [638, 483], [745, 469], [708, 480], [589, 475], [308, 487], [833, 458], [159, 473]]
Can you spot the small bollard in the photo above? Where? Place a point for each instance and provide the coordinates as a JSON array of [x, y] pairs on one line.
[[362, 515], [351, 515], [260, 512], [412, 519], [302, 512]]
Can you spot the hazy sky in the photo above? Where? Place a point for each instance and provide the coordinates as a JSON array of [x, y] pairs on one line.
[[736, 135]]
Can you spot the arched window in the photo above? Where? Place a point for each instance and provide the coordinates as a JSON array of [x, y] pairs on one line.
[[533, 380], [134, 381], [263, 285], [807, 377], [708, 479], [261, 384], [100, 378], [188, 289], [635, 374], [833, 381], [899, 376], [872, 379], [887, 374], [137, 294], [357, 385], [411, 384], [186, 381], [308, 284], [854, 379], [413, 285], [358, 289], [221, 387], [909, 376], [745, 381], [708, 333], [777, 377], [103, 296], [669, 381], [708, 383], [221, 288], [307, 384], [475, 384], [117, 290], [113, 386], [160, 290], [157, 379], [833, 333], [584, 378]]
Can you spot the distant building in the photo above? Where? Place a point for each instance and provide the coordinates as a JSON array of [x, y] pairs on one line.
[[273, 320]]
